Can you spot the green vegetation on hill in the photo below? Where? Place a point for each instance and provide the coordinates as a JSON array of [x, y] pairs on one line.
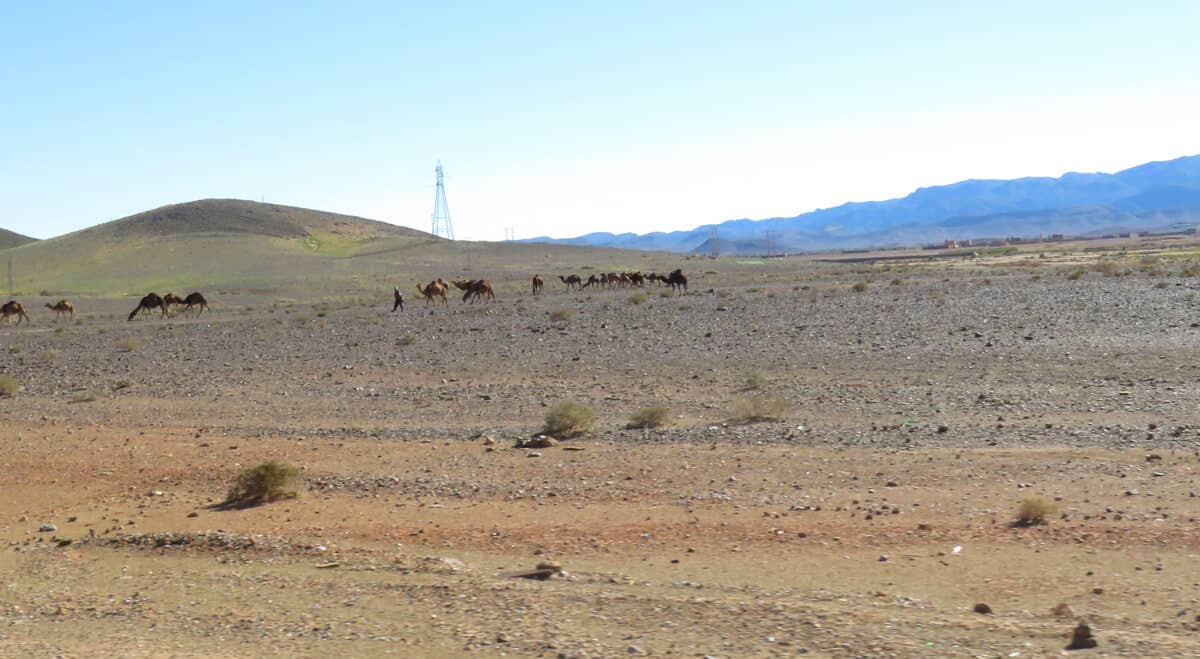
[[244, 246]]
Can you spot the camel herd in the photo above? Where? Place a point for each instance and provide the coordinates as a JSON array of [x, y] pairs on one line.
[[193, 302], [676, 280], [14, 308]]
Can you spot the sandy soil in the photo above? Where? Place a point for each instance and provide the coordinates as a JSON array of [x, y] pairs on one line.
[[869, 520]]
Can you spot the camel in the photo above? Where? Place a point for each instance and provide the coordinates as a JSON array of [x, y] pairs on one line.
[[195, 300], [61, 307], [171, 299], [592, 281], [434, 289], [537, 284], [572, 281], [151, 301], [677, 279], [399, 303], [475, 289], [13, 308], [637, 279]]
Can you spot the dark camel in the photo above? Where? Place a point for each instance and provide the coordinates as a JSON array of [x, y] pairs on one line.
[[171, 299], [537, 284], [197, 301], [148, 303], [62, 307], [677, 279], [572, 281], [13, 308]]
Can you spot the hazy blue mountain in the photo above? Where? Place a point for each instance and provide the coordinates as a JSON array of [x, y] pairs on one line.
[[1149, 196]]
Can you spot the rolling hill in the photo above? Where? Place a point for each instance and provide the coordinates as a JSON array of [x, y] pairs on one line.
[[237, 246], [13, 239], [1149, 196]]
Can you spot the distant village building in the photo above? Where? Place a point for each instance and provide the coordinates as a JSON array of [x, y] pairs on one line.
[[950, 244]]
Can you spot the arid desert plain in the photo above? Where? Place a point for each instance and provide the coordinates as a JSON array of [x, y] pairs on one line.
[[844, 452]]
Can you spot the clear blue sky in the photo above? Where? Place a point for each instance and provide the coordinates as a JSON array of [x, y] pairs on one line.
[[567, 117]]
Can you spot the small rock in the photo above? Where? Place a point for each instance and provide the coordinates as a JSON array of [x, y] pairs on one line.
[[883, 558], [633, 649], [983, 608], [1063, 610], [193, 514], [47, 528], [1081, 638]]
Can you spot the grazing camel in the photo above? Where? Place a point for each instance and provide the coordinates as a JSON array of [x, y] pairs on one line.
[[637, 279], [537, 284], [148, 303], [195, 300], [433, 289], [475, 289], [171, 299], [592, 281], [13, 308], [399, 302], [677, 279], [572, 281], [61, 307]]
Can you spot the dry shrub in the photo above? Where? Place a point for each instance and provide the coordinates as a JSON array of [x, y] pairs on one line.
[[9, 386], [562, 314], [568, 419], [262, 483], [1034, 510], [1110, 268], [650, 417], [755, 380], [860, 287], [637, 298], [759, 407], [129, 343], [407, 340]]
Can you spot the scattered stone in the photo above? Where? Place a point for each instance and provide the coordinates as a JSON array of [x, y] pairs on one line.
[[537, 441], [1063, 610], [47, 528], [983, 609], [1081, 638], [193, 514]]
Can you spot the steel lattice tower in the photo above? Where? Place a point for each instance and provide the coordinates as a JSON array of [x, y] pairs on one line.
[[441, 212]]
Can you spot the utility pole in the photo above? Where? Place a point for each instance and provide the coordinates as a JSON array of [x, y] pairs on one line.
[[441, 211], [712, 241]]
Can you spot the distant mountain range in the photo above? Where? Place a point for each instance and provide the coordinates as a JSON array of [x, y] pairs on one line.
[[1152, 196]]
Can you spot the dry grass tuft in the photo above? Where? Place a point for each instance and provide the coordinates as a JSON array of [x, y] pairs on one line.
[[650, 417], [1034, 510], [9, 386], [265, 482], [568, 419], [759, 407], [562, 314]]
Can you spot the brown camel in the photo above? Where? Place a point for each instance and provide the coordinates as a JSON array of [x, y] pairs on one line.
[[62, 307], [572, 281], [13, 308], [148, 303], [399, 300], [591, 281], [475, 289], [677, 280], [537, 284], [171, 299], [433, 289], [197, 301]]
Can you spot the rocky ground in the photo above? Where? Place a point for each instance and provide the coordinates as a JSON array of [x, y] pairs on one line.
[[866, 513]]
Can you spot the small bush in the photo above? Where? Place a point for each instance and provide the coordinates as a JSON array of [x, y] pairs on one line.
[[667, 294], [1161, 284], [9, 386], [129, 343], [897, 282], [637, 298], [407, 339], [562, 314], [1034, 510], [83, 396], [1109, 268], [759, 407], [650, 417], [755, 380], [568, 419], [860, 287], [1075, 274], [263, 483], [122, 384]]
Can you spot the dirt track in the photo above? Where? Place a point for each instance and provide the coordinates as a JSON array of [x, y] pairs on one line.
[[921, 414]]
